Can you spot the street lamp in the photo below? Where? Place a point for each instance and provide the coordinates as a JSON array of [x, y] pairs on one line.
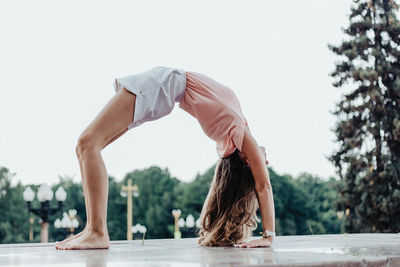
[[31, 221], [176, 214], [138, 228], [181, 222], [68, 222], [128, 191], [190, 221], [44, 195], [198, 223]]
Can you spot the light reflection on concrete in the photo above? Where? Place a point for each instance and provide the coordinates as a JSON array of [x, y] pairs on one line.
[[95, 258], [153, 263], [337, 251], [212, 256]]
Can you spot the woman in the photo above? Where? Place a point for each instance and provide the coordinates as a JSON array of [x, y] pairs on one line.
[[241, 179]]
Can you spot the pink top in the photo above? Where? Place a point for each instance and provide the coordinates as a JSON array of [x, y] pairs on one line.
[[218, 111]]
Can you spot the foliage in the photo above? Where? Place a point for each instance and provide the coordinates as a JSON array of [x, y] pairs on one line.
[[156, 201], [322, 196], [13, 217], [303, 205], [192, 196], [368, 127]]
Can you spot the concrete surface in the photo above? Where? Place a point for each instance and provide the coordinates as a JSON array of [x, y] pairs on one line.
[[315, 250]]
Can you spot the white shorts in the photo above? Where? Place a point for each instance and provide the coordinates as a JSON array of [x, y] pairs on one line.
[[156, 92]]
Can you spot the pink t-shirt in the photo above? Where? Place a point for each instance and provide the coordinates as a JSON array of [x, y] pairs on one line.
[[218, 111]]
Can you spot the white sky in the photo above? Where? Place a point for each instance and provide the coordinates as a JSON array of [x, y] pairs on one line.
[[58, 61]]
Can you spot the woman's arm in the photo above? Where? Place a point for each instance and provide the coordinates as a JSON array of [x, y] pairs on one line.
[[257, 161]]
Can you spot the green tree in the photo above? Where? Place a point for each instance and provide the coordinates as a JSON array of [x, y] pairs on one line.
[[191, 197], [303, 205], [323, 196], [14, 226], [292, 206], [297, 209], [368, 127], [156, 201], [116, 212]]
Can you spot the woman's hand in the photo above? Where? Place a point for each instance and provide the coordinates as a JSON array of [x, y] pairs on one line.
[[263, 242]]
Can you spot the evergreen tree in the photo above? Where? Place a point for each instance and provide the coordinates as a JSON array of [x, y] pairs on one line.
[[368, 127]]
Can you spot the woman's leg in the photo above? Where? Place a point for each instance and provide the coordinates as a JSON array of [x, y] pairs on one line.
[[84, 187], [85, 193], [111, 123]]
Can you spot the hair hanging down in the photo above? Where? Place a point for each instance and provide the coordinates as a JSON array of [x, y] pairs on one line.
[[229, 211]]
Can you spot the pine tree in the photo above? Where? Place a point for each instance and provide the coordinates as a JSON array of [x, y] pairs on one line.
[[368, 126]]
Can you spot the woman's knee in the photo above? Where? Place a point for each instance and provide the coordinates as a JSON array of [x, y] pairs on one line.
[[87, 142]]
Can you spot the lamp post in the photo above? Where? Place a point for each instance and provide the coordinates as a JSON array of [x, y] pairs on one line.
[[176, 214], [198, 223], [128, 191], [44, 195], [138, 228], [31, 221], [68, 222], [181, 223], [189, 222]]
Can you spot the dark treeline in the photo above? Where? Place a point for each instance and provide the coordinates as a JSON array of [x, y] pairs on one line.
[[304, 205]]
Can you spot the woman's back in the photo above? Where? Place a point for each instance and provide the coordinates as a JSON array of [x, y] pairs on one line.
[[217, 109]]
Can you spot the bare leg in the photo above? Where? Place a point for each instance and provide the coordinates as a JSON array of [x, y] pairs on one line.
[[111, 123], [84, 186]]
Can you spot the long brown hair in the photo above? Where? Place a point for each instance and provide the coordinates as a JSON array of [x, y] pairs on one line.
[[229, 211]]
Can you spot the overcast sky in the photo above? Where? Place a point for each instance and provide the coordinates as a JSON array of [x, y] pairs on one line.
[[58, 61]]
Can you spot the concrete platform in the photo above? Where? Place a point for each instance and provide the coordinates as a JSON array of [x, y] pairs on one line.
[[315, 250]]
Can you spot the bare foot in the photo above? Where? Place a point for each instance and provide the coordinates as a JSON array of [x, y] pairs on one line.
[[88, 240], [58, 243]]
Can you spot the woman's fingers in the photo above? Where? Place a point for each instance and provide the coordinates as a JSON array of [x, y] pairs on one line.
[[246, 245], [241, 244], [254, 244]]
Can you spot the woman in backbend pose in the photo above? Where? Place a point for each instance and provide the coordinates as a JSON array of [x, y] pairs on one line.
[[241, 183]]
